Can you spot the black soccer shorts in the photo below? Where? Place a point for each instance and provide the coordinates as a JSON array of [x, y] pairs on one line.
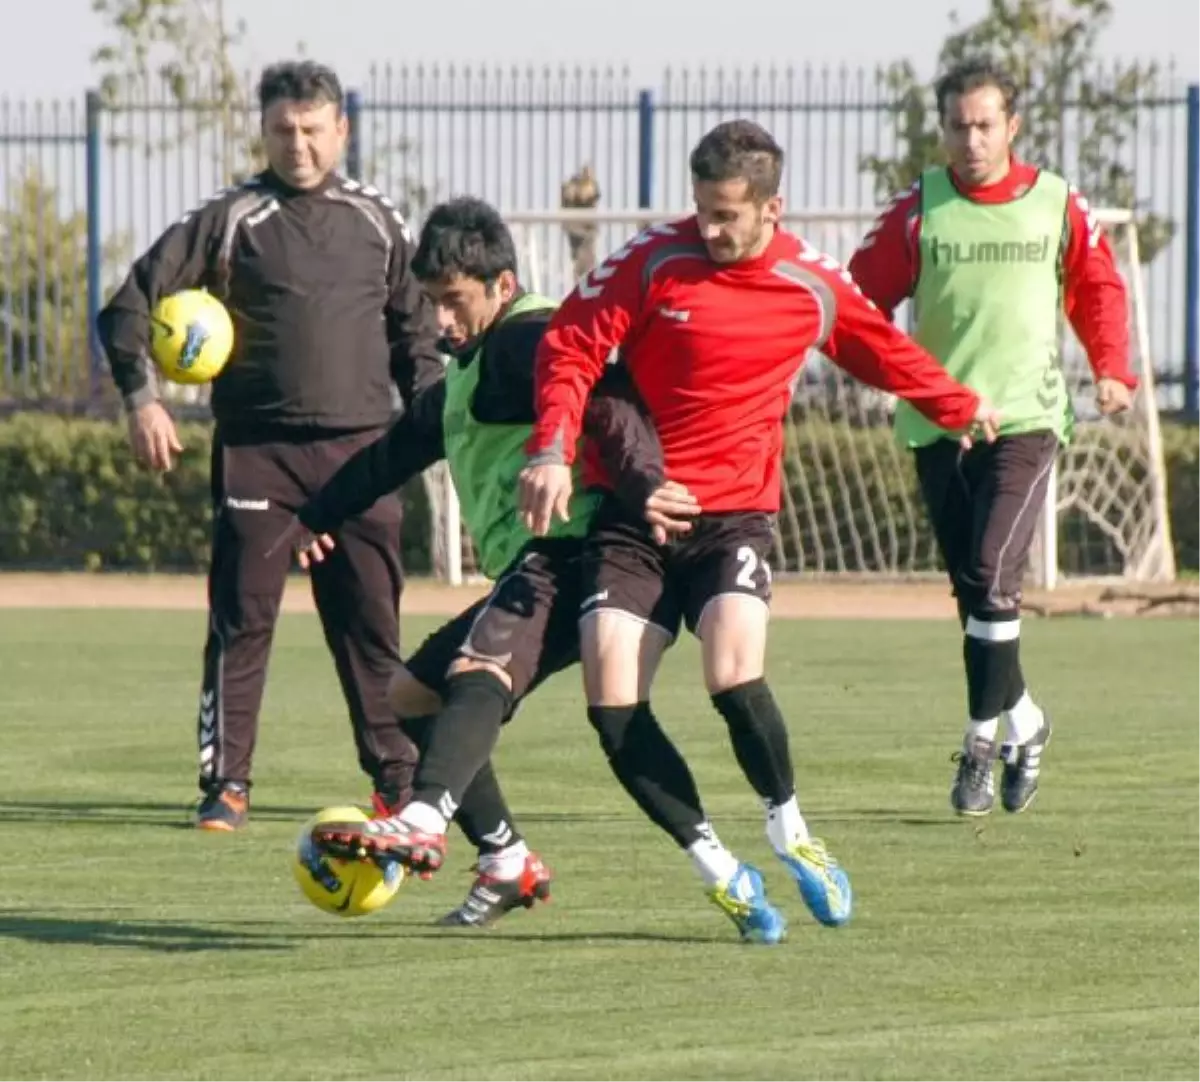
[[625, 570], [528, 625]]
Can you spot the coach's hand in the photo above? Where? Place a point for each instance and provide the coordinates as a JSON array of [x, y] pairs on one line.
[[670, 510], [986, 426], [310, 548], [544, 491], [1112, 397], [153, 437], [314, 550]]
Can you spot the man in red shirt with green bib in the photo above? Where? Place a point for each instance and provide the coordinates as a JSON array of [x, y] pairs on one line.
[[992, 251]]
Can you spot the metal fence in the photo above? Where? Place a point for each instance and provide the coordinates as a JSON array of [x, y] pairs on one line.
[[84, 186]]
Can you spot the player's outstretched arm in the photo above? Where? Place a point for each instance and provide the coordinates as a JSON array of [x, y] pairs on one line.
[[1096, 305], [592, 322], [414, 443], [868, 346]]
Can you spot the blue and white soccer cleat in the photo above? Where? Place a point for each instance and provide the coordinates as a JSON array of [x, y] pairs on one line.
[[824, 885], [743, 899]]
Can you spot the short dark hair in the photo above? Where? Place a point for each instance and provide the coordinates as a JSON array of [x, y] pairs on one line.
[[740, 150], [299, 80], [464, 236], [975, 74]]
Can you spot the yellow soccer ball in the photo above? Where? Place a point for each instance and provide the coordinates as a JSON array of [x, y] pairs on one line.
[[345, 888], [191, 336]]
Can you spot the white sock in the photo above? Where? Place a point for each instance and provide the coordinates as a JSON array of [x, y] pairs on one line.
[[1024, 720], [786, 826], [423, 817], [982, 730], [508, 863], [716, 864]]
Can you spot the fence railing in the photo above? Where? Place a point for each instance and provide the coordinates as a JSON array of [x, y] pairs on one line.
[[86, 185]]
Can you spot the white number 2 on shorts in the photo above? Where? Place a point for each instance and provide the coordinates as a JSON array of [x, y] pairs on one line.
[[748, 558]]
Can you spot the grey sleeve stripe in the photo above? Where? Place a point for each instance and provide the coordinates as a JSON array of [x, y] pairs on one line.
[[668, 252], [373, 212], [553, 454], [239, 210], [819, 288]]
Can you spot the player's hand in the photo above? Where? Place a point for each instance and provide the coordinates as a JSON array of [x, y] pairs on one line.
[[985, 426], [1112, 397], [309, 548], [314, 549], [543, 492], [670, 511], [153, 437]]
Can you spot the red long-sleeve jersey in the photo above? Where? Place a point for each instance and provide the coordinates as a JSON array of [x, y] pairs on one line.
[[715, 351], [888, 262]]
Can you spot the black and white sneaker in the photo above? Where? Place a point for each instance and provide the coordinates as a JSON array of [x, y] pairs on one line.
[[974, 789], [490, 898], [1022, 764]]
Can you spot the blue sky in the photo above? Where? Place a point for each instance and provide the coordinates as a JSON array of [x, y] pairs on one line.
[[51, 56]]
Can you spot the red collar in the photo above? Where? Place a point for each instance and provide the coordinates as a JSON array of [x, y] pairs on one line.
[[1020, 177]]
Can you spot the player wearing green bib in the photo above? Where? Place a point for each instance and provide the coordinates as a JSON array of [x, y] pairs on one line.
[[993, 251], [466, 679]]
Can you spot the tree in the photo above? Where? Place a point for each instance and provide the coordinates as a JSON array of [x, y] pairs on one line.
[[44, 341], [1076, 117], [187, 49]]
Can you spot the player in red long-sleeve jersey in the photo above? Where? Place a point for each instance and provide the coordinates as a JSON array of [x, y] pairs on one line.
[[714, 316], [990, 249]]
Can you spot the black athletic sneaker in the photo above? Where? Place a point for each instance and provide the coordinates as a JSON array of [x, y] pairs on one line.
[[225, 806], [1022, 762], [490, 898], [974, 790]]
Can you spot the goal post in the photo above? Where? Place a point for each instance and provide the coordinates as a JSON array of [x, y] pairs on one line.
[[1108, 489], [851, 508]]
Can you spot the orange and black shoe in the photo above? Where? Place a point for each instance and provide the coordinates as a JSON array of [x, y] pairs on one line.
[[383, 841], [491, 897], [226, 806]]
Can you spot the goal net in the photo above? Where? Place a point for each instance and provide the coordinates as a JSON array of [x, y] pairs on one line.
[[850, 502]]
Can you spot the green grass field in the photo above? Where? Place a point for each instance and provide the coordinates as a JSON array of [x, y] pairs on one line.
[[1059, 944]]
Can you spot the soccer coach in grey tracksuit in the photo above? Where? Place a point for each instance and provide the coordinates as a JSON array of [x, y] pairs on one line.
[[314, 269]]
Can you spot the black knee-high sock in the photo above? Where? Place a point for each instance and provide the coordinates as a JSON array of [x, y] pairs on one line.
[[992, 657], [461, 739], [650, 769], [484, 816], [1016, 681], [759, 737], [1016, 686]]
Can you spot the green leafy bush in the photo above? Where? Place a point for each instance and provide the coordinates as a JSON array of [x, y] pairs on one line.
[[72, 497]]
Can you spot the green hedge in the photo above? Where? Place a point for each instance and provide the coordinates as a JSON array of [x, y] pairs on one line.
[[71, 496]]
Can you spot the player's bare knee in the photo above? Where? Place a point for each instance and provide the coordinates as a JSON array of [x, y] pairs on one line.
[[620, 654], [725, 673], [409, 698], [733, 636], [474, 664]]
